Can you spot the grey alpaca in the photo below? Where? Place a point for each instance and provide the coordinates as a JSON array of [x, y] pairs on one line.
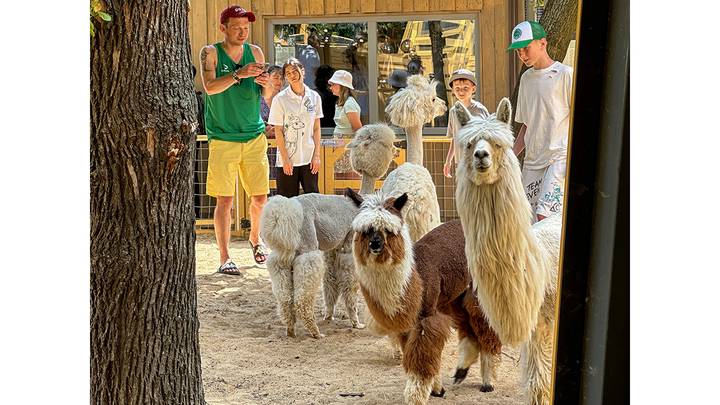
[[310, 238]]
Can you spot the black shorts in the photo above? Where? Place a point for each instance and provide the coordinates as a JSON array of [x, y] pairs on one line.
[[289, 186]]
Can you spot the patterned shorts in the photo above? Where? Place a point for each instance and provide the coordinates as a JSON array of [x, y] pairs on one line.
[[545, 188]]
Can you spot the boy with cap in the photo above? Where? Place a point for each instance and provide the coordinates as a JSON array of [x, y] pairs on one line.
[[463, 85], [543, 107], [232, 73]]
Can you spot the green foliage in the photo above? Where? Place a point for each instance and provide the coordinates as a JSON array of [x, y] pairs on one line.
[[97, 12]]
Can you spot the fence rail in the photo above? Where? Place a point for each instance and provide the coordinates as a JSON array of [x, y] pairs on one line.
[[335, 175]]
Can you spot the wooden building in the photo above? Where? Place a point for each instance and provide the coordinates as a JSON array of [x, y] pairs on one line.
[[372, 39]]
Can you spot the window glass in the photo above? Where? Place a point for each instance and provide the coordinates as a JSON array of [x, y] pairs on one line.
[[322, 49], [431, 48]]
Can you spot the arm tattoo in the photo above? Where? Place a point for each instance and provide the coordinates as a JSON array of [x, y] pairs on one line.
[[204, 62]]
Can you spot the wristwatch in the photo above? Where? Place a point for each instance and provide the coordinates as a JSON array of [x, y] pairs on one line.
[[235, 76]]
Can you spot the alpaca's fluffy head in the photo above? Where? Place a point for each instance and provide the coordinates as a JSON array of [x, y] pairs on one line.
[[416, 104], [486, 143], [372, 150], [380, 232]]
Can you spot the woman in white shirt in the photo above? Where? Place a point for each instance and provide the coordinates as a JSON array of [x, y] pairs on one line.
[[295, 113], [347, 113]]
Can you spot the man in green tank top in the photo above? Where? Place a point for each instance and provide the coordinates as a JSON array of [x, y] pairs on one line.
[[232, 73]]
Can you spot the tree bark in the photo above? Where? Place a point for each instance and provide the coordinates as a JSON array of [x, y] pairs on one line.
[[559, 21], [438, 47], [143, 317]]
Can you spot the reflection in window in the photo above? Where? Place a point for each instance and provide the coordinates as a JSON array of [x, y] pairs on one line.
[[322, 49], [432, 48]]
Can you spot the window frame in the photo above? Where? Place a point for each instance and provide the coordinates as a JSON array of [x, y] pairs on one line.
[[372, 21]]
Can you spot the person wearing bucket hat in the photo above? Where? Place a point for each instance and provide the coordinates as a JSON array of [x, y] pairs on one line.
[[543, 109], [347, 109], [232, 73], [463, 86], [347, 114]]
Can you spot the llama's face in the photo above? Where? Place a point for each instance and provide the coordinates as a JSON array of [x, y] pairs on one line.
[[482, 158], [438, 105], [378, 227], [486, 142]]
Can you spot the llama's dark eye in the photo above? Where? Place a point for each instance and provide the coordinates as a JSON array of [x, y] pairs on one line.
[[469, 146]]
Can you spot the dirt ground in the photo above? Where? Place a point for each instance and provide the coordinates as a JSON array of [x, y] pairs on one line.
[[247, 359]]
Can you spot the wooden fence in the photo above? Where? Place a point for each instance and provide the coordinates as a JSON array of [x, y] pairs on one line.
[[332, 180]]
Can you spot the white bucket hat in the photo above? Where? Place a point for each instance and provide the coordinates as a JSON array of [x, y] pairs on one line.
[[343, 78]]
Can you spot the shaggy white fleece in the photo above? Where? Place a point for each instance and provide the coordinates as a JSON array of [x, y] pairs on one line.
[[372, 150], [416, 104], [281, 222], [411, 108], [422, 211]]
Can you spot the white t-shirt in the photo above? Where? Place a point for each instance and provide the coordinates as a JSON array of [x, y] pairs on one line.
[[543, 105], [296, 115], [342, 122]]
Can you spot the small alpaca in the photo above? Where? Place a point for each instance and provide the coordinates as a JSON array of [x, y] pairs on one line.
[[416, 293], [513, 263], [310, 236]]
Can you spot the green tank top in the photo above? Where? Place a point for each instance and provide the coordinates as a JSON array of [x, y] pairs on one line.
[[234, 114]]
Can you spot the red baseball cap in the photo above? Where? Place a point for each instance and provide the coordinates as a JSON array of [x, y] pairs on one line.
[[236, 12]]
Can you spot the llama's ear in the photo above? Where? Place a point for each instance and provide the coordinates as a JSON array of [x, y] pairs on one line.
[[462, 113], [504, 111], [355, 197], [399, 202]]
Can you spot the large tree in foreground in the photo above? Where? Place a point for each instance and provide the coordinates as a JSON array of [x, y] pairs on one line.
[[143, 318]]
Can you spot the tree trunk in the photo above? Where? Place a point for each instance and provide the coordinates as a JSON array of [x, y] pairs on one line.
[[559, 21], [438, 47], [143, 317]]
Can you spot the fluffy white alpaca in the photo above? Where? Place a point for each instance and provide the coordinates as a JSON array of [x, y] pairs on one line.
[[310, 236], [513, 263]]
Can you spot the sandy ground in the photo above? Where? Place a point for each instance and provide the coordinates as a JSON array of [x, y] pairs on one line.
[[247, 359]]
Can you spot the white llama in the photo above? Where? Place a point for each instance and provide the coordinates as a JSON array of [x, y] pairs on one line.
[[513, 263]]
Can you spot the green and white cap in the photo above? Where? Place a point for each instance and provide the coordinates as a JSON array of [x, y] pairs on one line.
[[524, 33]]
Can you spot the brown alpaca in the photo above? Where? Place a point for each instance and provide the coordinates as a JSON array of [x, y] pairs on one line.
[[416, 293]]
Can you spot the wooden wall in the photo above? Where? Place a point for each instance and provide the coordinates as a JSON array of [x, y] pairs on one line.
[[495, 16]]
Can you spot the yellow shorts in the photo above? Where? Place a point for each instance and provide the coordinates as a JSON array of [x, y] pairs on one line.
[[228, 160]]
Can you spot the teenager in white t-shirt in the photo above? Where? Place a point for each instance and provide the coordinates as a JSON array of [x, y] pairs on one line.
[[543, 107], [295, 113]]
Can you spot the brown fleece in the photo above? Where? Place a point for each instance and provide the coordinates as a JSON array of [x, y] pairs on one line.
[[395, 246], [488, 341], [404, 319], [423, 349], [360, 248]]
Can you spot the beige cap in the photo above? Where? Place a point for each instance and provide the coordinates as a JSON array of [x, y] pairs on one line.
[[463, 74], [343, 78]]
